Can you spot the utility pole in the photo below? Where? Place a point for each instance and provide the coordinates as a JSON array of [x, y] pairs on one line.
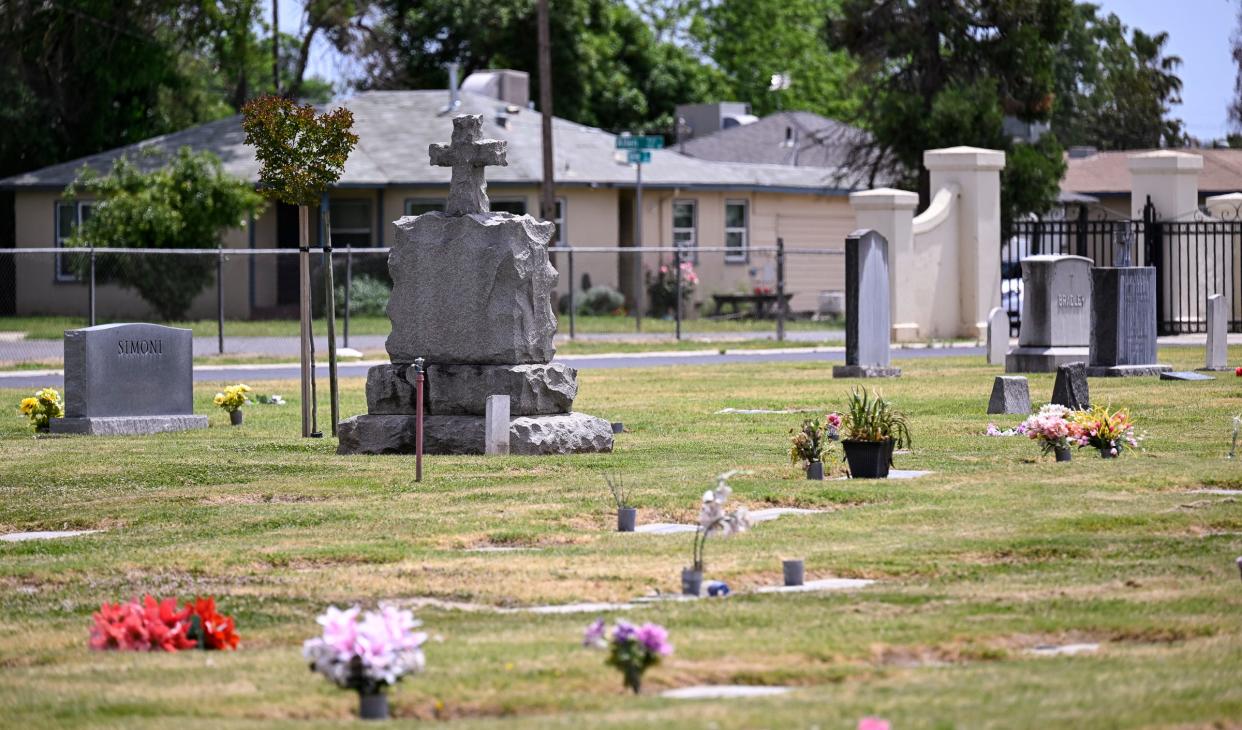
[[547, 201], [276, 47]]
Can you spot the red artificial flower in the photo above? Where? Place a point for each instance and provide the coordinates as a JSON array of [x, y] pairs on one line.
[[167, 627], [120, 626], [1238, 372], [217, 631]]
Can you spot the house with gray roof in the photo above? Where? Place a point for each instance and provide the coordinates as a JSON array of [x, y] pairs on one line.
[[688, 200]]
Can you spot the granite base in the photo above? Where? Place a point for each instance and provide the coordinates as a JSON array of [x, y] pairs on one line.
[[1026, 359], [865, 371], [125, 425], [1126, 371], [566, 433]]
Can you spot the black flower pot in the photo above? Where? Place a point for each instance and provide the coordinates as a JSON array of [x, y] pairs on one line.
[[1063, 453], [691, 582], [1106, 452], [372, 706], [627, 517], [868, 459], [815, 471], [236, 417]]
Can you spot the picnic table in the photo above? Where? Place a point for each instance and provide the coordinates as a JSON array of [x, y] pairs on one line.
[[762, 306]]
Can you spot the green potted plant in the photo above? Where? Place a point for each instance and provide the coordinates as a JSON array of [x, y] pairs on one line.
[[870, 431]]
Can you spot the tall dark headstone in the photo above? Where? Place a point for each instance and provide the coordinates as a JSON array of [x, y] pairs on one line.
[[868, 318], [1123, 322], [1056, 314], [128, 379], [1070, 388]]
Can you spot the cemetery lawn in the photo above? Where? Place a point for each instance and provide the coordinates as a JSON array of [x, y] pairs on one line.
[[996, 552]]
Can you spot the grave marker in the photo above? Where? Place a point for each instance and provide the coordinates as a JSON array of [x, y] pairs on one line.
[[868, 320], [1070, 388], [1011, 394], [1218, 325], [998, 335], [1056, 314], [496, 425], [1123, 322], [128, 379]]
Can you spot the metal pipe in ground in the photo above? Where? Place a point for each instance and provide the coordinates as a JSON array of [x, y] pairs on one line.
[[220, 302], [418, 419], [304, 323], [780, 290], [677, 309], [349, 284], [573, 308], [90, 303], [333, 392]]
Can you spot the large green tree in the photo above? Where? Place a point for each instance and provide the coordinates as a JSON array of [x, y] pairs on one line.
[[188, 203], [609, 68], [948, 72], [1115, 87]]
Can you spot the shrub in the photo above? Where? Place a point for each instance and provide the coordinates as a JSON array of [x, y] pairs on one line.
[[368, 297], [600, 300]]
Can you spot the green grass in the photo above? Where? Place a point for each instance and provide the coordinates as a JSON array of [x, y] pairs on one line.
[[53, 328], [995, 552]]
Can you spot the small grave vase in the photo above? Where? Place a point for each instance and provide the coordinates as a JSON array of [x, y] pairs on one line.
[[691, 582], [868, 459], [1063, 453], [618, 427], [372, 706], [794, 572], [627, 517], [1106, 452], [236, 417], [815, 471]]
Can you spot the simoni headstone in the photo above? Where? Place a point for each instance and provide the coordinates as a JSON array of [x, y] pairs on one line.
[[472, 294], [1056, 314], [868, 319], [1123, 322], [128, 379]]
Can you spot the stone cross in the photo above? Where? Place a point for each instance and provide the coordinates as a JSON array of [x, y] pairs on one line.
[[468, 155]]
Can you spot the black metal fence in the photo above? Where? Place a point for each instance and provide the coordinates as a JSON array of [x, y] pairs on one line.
[[1194, 259]]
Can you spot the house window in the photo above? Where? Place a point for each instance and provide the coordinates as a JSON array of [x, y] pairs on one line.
[[351, 223], [562, 233], [736, 239], [69, 215], [418, 206], [685, 233], [516, 206]]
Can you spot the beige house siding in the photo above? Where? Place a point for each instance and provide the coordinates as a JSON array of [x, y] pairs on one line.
[[593, 218]]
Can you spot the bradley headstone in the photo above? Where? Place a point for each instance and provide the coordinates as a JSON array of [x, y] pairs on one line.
[[868, 319], [1218, 325], [1123, 322], [125, 379], [1056, 314], [998, 335]]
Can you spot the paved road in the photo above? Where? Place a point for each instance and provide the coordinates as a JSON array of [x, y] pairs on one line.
[[234, 373]]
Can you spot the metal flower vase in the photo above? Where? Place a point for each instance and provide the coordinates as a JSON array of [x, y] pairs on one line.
[[627, 518], [236, 417], [815, 471], [372, 705]]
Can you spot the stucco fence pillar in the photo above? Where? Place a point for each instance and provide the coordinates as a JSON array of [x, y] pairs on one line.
[[1171, 180]]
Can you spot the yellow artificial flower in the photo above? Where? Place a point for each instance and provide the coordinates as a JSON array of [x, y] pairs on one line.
[[28, 405]]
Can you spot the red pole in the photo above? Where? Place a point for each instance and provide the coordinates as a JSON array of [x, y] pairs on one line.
[[418, 423]]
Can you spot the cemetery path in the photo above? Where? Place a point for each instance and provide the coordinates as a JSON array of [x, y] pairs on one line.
[[232, 373]]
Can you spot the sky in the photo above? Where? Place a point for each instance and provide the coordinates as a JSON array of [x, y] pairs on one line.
[[1199, 32]]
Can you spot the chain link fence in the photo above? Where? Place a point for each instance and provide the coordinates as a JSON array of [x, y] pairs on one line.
[[242, 304]]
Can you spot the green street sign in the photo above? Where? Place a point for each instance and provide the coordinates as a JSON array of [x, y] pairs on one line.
[[642, 156], [640, 142]]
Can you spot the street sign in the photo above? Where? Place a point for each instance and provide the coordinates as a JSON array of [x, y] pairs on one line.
[[640, 142], [642, 156]]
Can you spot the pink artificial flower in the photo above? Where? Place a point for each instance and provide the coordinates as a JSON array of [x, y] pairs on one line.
[[873, 723], [593, 638], [834, 420], [340, 630], [654, 639]]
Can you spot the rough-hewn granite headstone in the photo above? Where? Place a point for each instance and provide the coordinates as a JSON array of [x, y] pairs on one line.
[[868, 319], [472, 294], [125, 379], [1217, 327], [1123, 322], [998, 335], [1070, 387], [1056, 314], [1010, 394]]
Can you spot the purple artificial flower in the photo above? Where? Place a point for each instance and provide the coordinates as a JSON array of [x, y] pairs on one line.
[[654, 639], [594, 636], [624, 631]]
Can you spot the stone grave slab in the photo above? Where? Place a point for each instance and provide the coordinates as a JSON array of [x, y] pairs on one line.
[[815, 586], [724, 692], [1184, 375], [665, 528], [1056, 314], [1217, 351], [1011, 394], [772, 513], [1063, 649], [868, 319], [896, 474], [44, 535], [1070, 387], [128, 379], [571, 608], [998, 335], [1123, 322]]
